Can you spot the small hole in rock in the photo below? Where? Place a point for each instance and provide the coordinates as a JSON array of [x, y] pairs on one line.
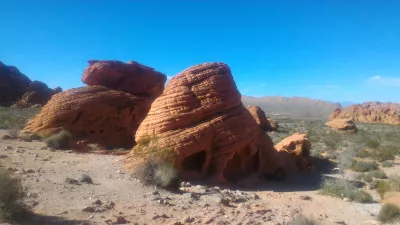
[[194, 162]]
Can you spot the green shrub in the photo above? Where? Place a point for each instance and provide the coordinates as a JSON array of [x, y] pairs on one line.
[[384, 153], [14, 132], [391, 184], [363, 166], [362, 153], [12, 197], [303, 220], [371, 143], [61, 140], [389, 213], [379, 174], [388, 163], [344, 189]]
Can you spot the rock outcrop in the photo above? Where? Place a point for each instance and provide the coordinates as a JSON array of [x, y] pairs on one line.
[[201, 119], [370, 112], [295, 150], [95, 114], [131, 77], [18, 90], [342, 125], [266, 123]]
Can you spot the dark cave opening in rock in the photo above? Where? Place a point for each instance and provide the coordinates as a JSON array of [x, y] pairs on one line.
[[241, 166], [194, 162]]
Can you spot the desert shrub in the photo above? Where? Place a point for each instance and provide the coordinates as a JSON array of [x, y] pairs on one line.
[[363, 166], [13, 132], [31, 137], [303, 220], [379, 174], [371, 143], [389, 213], [157, 167], [12, 195], [60, 140], [384, 153], [14, 117], [388, 163], [344, 189], [391, 184], [373, 185], [362, 153]]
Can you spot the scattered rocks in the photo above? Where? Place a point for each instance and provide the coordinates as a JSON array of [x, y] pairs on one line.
[[85, 179], [305, 197], [71, 181], [8, 147], [3, 156], [88, 209]]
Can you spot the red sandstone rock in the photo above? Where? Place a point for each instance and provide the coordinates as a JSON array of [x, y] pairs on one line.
[[201, 119], [266, 123], [342, 125], [12, 84], [37, 93], [131, 77], [295, 148], [370, 112], [95, 114]]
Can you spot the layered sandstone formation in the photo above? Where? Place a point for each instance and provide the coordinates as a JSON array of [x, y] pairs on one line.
[[370, 112], [18, 90], [295, 148], [201, 119], [342, 125], [106, 115], [266, 123], [131, 77]]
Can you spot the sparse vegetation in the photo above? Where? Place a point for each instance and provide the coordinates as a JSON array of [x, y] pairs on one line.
[[13, 132], [344, 189], [60, 140], [12, 195], [388, 163], [391, 184], [11, 118], [303, 220], [389, 213], [364, 166], [157, 167]]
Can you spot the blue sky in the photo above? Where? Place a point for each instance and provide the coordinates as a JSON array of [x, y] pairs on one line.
[[333, 50]]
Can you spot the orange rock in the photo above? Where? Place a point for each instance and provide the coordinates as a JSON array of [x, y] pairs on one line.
[[370, 112], [95, 114], [131, 77], [266, 123], [201, 118], [37, 93], [342, 125], [295, 148]]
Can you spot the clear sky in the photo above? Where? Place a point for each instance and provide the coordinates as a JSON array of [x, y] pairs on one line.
[[338, 50]]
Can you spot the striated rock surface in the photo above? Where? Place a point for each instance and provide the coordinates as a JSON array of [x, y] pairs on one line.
[[201, 119], [37, 93], [131, 77], [266, 123], [342, 125], [12, 84], [295, 148], [370, 112], [95, 114]]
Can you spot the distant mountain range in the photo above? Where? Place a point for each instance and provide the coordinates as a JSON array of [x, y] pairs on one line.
[[294, 107]]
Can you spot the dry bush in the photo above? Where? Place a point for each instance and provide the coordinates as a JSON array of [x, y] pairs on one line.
[[389, 213], [303, 220], [344, 189], [363, 166], [60, 140], [12, 195], [391, 184]]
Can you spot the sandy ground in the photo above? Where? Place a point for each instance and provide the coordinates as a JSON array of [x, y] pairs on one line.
[[117, 198]]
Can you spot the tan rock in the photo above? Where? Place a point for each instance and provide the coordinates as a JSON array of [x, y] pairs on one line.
[[342, 125], [201, 118], [266, 123], [370, 112], [295, 150], [131, 77], [95, 114]]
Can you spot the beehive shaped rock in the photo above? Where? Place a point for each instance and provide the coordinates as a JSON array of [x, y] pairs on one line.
[[342, 125], [370, 112], [295, 148], [131, 77], [266, 124], [93, 113], [201, 118]]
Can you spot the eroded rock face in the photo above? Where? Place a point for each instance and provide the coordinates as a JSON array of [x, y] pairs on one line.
[[201, 118], [12, 84], [295, 148], [342, 125], [131, 77], [266, 123], [37, 93], [95, 114], [370, 112]]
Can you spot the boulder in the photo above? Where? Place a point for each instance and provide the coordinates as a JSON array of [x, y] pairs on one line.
[[266, 123], [95, 114], [342, 125], [200, 119], [12, 84], [131, 77], [37, 93], [295, 151], [370, 112]]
